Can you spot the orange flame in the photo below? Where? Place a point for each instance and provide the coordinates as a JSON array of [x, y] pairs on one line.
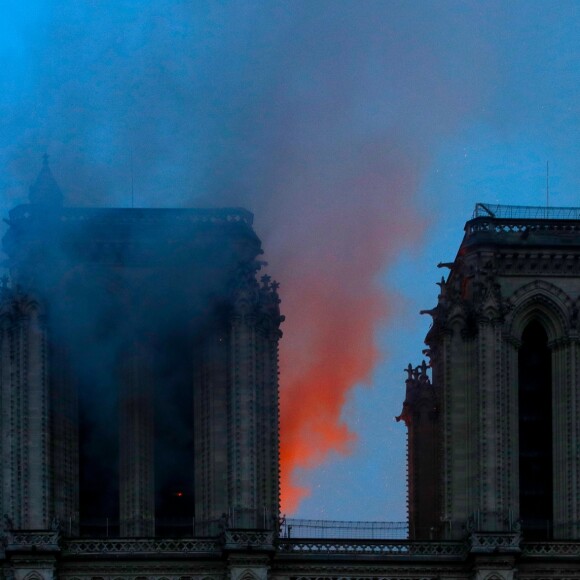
[[333, 305]]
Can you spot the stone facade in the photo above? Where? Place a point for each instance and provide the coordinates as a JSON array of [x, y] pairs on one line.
[[258, 555], [221, 342]]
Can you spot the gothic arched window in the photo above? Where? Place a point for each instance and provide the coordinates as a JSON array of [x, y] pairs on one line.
[[535, 432]]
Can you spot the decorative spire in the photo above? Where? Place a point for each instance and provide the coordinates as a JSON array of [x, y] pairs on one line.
[[45, 191]]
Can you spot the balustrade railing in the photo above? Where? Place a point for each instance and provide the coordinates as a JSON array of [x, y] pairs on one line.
[[510, 219], [40, 540], [403, 548], [552, 549], [486, 542], [520, 226], [332, 529], [498, 211], [129, 546], [244, 539]]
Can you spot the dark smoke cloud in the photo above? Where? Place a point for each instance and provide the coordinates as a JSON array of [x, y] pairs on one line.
[[320, 117]]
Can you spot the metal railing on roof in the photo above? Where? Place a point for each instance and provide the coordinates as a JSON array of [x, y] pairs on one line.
[[496, 211], [322, 529]]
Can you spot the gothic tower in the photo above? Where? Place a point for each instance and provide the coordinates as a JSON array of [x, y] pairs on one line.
[[139, 371], [493, 435]]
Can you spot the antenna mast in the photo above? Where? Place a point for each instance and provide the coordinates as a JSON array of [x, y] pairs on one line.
[[547, 184], [132, 182]]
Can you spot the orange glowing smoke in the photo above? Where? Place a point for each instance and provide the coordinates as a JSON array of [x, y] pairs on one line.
[[317, 373], [330, 249]]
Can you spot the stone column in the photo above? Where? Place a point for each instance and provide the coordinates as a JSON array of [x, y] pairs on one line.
[[64, 404], [38, 430], [453, 350], [242, 424], [136, 489], [210, 404], [236, 417], [456, 429], [565, 440], [26, 429], [267, 338], [490, 503], [510, 443]]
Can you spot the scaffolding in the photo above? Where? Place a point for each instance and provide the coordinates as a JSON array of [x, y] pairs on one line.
[[332, 529], [496, 211]]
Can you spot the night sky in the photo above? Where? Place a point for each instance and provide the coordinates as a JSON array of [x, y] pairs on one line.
[[361, 134]]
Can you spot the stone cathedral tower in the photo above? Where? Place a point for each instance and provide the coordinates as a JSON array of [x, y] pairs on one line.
[[494, 433], [138, 371]]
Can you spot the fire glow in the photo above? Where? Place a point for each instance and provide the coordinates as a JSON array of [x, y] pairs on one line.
[[334, 304]]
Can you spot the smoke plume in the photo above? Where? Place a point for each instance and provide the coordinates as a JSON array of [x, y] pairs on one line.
[[320, 118]]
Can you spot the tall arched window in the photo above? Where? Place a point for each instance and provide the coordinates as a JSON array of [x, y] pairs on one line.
[[535, 432]]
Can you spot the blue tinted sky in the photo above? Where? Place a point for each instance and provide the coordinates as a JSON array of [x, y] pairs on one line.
[[277, 106]]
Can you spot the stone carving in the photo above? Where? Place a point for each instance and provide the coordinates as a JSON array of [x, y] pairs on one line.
[[240, 539], [141, 546], [36, 540], [488, 303], [245, 293], [499, 542], [419, 393]]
